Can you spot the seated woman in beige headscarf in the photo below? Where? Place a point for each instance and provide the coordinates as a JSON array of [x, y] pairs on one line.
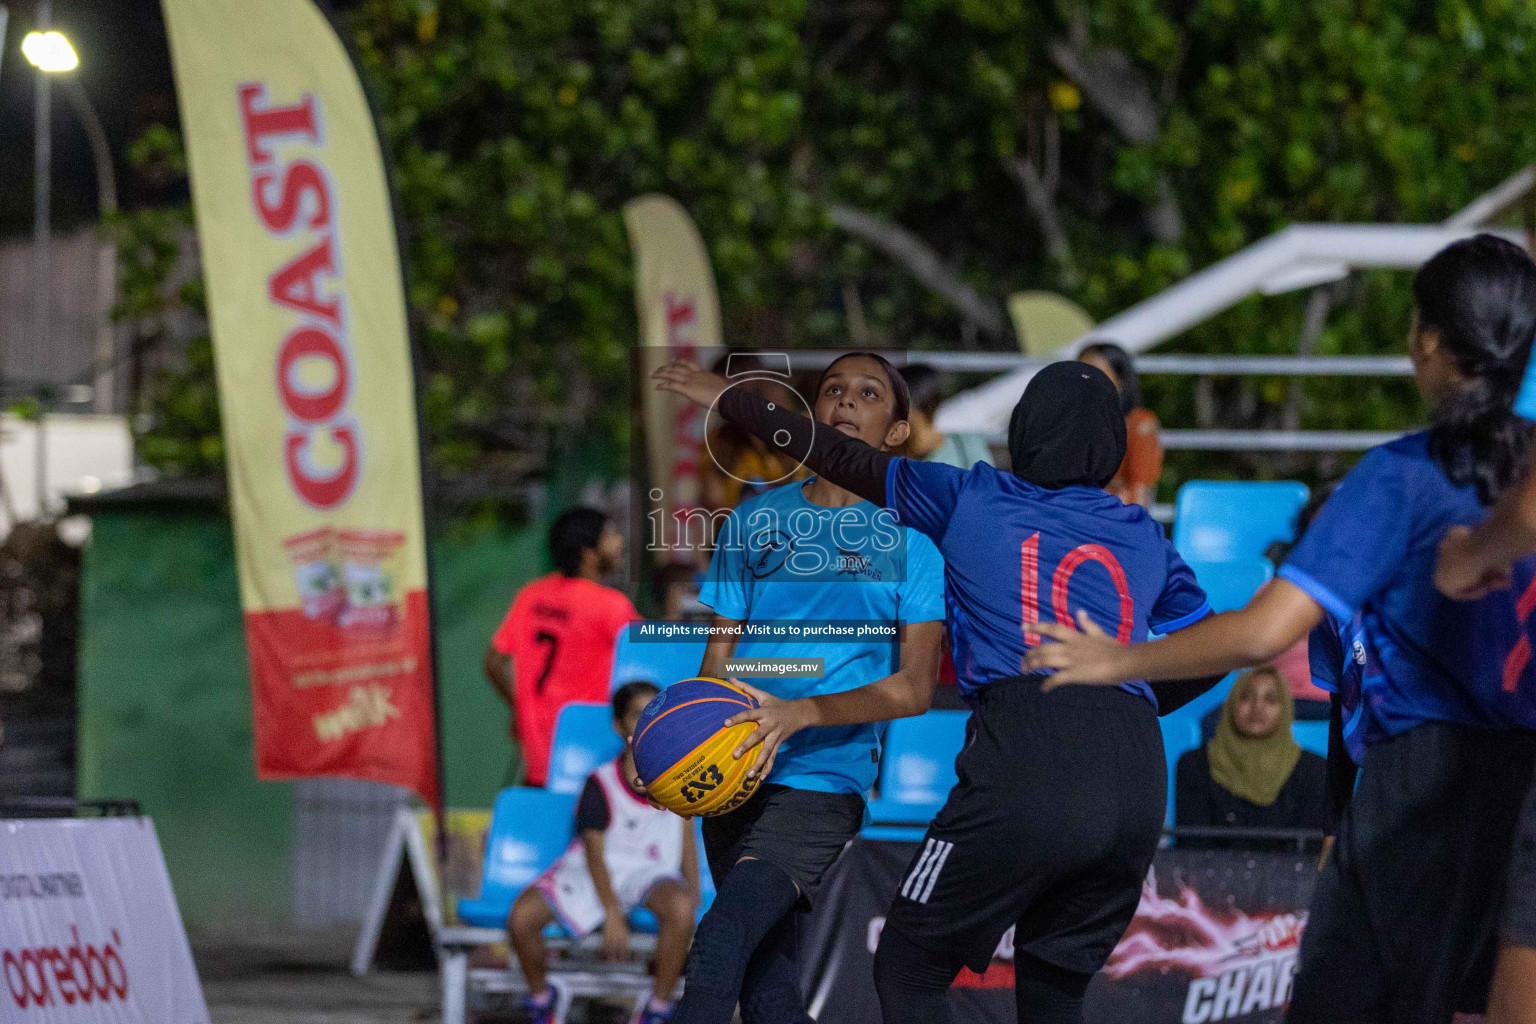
[[1252, 774]]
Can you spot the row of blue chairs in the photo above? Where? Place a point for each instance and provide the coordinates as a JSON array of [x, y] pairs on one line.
[[917, 768], [531, 827]]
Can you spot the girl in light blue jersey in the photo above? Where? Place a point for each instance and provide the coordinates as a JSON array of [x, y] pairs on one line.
[[817, 558]]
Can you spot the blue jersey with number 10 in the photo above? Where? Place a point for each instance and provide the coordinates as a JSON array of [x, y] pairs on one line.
[[1015, 554]]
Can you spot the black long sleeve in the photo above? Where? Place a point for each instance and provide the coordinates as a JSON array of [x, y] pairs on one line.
[[1341, 769], [1173, 694], [846, 461]]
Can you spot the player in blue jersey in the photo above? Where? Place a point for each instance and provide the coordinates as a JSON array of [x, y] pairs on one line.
[[1475, 561], [818, 558], [1403, 916], [1059, 804]]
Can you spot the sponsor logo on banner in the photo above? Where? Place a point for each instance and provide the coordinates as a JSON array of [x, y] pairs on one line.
[[48, 975], [681, 313], [316, 389], [1237, 964], [88, 926]]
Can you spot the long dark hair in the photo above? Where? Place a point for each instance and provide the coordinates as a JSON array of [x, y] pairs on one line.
[[901, 395], [1119, 360], [1480, 295]]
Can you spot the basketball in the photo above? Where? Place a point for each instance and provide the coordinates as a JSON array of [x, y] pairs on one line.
[[683, 749]]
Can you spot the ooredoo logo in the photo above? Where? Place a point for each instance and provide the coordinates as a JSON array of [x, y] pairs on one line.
[[43, 975]]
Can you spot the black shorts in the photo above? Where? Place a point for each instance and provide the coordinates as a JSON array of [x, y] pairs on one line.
[[1403, 919], [1519, 925], [799, 831], [1052, 828]]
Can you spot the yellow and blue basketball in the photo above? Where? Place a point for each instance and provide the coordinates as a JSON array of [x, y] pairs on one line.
[[683, 750]]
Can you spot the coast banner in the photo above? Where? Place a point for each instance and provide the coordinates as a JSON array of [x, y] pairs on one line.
[[679, 314], [316, 388]]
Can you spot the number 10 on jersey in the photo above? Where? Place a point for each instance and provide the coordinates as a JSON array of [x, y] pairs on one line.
[[1061, 578]]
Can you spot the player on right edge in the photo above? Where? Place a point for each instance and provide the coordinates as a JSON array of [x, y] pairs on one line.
[[1475, 561]]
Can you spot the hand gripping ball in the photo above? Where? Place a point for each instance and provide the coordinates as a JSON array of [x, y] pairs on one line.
[[683, 750]]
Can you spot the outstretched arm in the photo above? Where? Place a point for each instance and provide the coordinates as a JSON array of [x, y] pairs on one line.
[[846, 461], [1278, 616]]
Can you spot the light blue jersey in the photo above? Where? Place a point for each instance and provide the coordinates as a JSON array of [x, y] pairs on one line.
[[781, 559]]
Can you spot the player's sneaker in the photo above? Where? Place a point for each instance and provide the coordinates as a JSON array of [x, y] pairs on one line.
[[648, 1013], [552, 1010]]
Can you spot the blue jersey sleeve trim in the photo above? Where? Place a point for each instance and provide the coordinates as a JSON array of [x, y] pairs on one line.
[[1185, 620], [890, 484], [1317, 592], [711, 598]]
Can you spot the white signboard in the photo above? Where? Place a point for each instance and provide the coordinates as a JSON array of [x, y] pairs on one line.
[[89, 929]]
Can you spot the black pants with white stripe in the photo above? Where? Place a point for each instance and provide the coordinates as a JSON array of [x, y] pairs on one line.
[[1051, 829]]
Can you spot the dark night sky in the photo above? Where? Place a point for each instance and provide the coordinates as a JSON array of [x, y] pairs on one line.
[[125, 68]]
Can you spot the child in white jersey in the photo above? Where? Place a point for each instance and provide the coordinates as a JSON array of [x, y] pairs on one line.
[[626, 854]]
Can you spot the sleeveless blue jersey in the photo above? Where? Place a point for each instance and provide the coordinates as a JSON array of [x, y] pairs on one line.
[[1370, 556], [1015, 553]]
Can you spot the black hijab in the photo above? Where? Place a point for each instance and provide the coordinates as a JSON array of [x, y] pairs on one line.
[[1067, 428]]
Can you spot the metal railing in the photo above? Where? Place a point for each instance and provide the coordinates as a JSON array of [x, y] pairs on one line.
[[1265, 440], [1192, 365], [1300, 838], [66, 807]]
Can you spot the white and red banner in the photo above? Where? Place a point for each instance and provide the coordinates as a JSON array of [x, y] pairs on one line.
[[679, 313], [316, 390], [89, 930]]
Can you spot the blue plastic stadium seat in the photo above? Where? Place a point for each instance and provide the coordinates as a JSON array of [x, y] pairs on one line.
[[1180, 735], [916, 773], [529, 829], [584, 739], [920, 754], [1229, 585], [1219, 521], [662, 663], [1312, 736]]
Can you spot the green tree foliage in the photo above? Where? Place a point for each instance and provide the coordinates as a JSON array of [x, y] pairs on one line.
[[886, 171]]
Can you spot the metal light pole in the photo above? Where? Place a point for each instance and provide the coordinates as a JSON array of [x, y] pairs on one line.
[[42, 241], [49, 52], [103, 379]]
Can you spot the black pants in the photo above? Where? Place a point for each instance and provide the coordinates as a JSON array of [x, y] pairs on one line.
[[1519, 926], [1051, 828], [1404, 916], [799, 831], [768, 858]]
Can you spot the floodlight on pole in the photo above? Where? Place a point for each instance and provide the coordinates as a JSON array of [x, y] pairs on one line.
[[49, 51]]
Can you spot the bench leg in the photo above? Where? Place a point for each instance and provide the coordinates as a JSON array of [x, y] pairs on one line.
[[455, 974]]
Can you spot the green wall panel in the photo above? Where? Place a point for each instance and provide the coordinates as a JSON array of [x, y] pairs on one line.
[[474, 580], [165, 708], [165, 711]]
